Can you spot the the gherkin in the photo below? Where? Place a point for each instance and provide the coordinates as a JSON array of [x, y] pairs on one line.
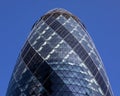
[[59, 59]]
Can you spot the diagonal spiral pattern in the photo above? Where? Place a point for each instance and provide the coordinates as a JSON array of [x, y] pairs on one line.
[[59, 59]]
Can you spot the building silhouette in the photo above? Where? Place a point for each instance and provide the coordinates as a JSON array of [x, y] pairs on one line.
[[59, 59]]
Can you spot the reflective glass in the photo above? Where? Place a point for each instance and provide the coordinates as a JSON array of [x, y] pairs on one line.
[[61, 19]]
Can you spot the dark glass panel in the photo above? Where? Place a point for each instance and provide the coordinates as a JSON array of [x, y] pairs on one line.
[[27, 93], [103, 85], [91, 65], [70, 39], [81, 52], [35, 62], [55, 25], [25, 49], [62, 31], [50, 20], [95, 70], [43, 72], [101, 82], [43, 75], [56, 87], [29, 55], [55, 79], [16, 92], [47, 84], [108, 93], [78, 48]]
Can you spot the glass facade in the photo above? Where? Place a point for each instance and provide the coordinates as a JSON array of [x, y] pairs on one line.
[[59, 59]]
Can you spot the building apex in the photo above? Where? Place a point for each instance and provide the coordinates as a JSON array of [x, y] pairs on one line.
[[60, 10]]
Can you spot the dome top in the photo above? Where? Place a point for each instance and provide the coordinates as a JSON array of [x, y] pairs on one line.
[[61, 11]]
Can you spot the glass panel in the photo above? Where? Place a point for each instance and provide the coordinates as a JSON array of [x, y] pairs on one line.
[[63, 50], [77, 35], [43, 72], [54, 40], [45, 50], [19, 71], [35, 62], [70, 39], [68, 26], [55, 25], [38, 43], [29, 55], [89, 63], [48, 32], [80, 30], [25, 49], [85, 45], [50, 20], [73, 22], [24, 80], [42, 28], [74, 59], [61, 19], [62, 31], [81, 52]]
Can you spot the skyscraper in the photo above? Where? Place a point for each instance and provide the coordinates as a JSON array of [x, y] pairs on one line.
[[59, 59]]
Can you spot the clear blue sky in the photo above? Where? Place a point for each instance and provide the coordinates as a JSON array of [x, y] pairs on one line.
[[101, 17]]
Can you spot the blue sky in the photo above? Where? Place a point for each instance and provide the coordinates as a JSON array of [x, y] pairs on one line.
[[101, 17]]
